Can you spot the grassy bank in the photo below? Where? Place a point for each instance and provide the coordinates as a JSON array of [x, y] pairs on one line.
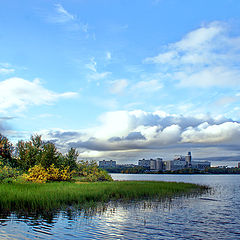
[[32, 196]]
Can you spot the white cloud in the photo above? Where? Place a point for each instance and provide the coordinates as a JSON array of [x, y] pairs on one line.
[[118, 86], [200, 38], [116, 123], [18, 93], [205, 57], [147, 86], [228, 132], [163, 57]]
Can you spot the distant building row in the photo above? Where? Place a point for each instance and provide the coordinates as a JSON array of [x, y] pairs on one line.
[[179, 162], [107, 164]]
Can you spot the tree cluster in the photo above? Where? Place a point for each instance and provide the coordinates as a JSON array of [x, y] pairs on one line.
[[30, 156], [27, 154]]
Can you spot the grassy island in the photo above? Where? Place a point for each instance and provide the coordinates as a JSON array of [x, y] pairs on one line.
[[35, 196]]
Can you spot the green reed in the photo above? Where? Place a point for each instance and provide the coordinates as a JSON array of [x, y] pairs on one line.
[[30, 196]]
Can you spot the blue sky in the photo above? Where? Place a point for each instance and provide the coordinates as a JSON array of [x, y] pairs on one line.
[[122, 79]]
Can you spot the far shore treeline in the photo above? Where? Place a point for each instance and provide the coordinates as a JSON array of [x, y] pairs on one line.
[[39, 161]]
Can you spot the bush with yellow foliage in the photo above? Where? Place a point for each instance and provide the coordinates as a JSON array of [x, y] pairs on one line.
[[39, 174]]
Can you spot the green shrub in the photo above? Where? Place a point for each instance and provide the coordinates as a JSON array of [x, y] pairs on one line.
[[7, 172], [91, 172]]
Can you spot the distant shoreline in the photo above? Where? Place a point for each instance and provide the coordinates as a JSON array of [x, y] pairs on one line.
[[185, 171]]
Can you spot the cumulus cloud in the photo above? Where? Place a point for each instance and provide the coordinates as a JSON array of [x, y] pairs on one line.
[[122, 132], [18, 93], [228, 132], [205, 57]]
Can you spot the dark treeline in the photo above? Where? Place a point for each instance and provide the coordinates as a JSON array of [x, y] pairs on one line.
[[126, 169]]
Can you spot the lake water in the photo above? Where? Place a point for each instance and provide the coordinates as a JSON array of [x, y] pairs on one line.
[[213, 215]]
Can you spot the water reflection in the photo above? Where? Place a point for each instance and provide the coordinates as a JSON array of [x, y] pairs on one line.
[[105, 220], [212, 215]]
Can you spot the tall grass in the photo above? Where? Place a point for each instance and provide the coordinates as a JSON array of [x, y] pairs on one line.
[[30, 196]]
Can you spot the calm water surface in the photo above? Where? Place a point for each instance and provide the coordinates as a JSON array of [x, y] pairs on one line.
[[213, 215]]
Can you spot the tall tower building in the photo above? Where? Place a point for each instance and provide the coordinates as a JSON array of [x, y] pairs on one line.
[[188, 159]]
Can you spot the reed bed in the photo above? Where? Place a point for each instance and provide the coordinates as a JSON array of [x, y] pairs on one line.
[[32, 196]]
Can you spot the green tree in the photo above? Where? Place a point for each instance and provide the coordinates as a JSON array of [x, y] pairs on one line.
[[50, 155], [27, 155], [71, 159], [6, 150], [36, 151], [5, 147]]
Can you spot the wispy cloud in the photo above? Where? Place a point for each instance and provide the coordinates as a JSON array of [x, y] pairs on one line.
[[118, 86], [94, 75], [62, 15], [5, 68], [71, 22], [92, 65], [205, 57], [147, 86]]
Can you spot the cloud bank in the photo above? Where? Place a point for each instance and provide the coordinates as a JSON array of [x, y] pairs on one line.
[[123, 132]]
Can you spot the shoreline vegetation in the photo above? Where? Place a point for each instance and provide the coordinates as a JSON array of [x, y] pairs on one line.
[[55, 195]]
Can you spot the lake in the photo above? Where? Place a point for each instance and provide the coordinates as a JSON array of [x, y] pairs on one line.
[[213, 215]]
